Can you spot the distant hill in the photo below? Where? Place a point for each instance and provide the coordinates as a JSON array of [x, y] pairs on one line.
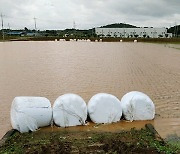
[[119, 25]]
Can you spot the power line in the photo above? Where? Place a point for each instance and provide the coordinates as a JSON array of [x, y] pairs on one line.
[[47, 20], [19, 18], [37, 19]]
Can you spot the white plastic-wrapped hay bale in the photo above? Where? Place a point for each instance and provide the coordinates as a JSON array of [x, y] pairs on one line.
[[30, 113], [137, 106], [69, 110], [135, 41], [104, 108]]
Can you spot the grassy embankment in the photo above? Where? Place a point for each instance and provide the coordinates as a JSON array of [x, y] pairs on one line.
[[134, 141]]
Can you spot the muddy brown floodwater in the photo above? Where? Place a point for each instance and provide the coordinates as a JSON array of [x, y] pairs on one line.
[[51, 69]]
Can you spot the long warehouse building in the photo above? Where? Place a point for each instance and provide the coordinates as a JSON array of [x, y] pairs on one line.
[[133, 32]]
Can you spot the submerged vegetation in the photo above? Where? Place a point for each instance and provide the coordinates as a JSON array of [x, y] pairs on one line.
[[134, 141]]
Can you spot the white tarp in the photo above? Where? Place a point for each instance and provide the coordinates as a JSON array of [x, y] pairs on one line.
[[30, 113], [104, 108], [137, 106], [69, 110]]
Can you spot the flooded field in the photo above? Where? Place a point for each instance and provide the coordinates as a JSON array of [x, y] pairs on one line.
[[166, 127], [51, 69]]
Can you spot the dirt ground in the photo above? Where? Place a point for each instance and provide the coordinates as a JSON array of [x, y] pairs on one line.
[[51, 69]]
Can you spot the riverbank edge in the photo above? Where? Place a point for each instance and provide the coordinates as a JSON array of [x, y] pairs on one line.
[[149, 127], [94, 39]]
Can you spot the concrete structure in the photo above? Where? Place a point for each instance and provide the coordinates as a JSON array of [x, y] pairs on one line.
[[133, 32]]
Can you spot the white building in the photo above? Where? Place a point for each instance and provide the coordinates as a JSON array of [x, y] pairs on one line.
[[133, 32]]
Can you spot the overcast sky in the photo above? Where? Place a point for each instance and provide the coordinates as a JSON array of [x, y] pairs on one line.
[[61, 14]]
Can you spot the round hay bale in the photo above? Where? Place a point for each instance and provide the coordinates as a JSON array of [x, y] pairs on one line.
[[104, 108], [69, 110], [30, 113], [137, 106]]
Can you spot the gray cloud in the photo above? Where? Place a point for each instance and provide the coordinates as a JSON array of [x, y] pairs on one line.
[[60, 14]]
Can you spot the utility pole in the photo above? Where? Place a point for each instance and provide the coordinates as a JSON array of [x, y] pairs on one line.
[[2, 26], [35, 25], [175, 30], [9, 29], [74, 25], [9, 26]]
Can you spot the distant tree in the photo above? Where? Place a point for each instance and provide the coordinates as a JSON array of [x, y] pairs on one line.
[[166, 35], [136, 35], [175, 30], [108, 35], [51, 32], [144, 36], [26, 29], [119, 25], [115, 35], [160, 35]]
